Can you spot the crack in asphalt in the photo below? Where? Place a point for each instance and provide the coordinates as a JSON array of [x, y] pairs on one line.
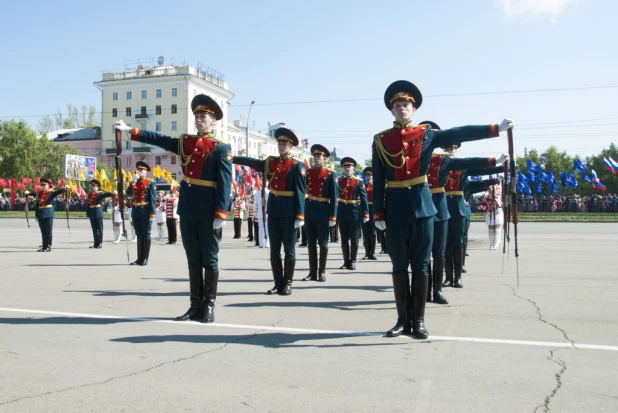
[[552, 355], [178, 360]]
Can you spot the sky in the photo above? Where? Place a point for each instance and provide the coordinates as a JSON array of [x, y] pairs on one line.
[[322, 66]]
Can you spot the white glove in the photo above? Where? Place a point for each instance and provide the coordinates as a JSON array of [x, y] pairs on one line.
[[299, 223], [381, 225], [218, 223], [504, 125], [502, 159], [152, 219], [121, 126], [365, 220], [332, 223]]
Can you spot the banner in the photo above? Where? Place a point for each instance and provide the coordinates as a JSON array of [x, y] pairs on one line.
[[80, 167]]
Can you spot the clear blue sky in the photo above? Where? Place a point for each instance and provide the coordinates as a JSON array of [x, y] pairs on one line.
[[285, 51]]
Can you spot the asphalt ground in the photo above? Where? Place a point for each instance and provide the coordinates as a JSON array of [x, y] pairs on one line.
[[81, 331]]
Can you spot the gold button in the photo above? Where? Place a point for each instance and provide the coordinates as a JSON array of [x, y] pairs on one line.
[[408, 172]]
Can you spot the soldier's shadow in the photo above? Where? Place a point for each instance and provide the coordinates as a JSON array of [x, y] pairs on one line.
[[335, 305], [265, 340], [77, 265], [117, 293]]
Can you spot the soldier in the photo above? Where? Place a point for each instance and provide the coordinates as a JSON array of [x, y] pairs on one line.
[[285, 208], [352, 209], [95, 213], [238, 207], [45, 208], [143, 212], [454, 190], [203, 202], [400, 159], [171, 216], [260, 201], [249, 205], [368, 228], [320, 211], [439, 166], [492, 205], [160, 217]]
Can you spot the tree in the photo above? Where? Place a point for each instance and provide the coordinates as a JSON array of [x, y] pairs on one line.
[[84, 117], [368, 163], [25, 155]]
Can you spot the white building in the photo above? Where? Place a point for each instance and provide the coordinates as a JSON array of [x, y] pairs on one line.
[[152, 95]]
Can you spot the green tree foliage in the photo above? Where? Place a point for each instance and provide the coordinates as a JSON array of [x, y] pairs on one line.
[[26, 155], [82, 117]]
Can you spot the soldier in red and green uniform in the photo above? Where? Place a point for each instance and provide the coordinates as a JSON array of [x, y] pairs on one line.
[[45, 207]]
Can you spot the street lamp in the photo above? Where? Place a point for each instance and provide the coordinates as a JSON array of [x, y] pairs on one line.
[[247, 130]]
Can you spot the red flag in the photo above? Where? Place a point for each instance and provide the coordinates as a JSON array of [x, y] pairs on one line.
[[60, 183], [26, 180], [19, 186], [241, 191], [258, 183], [249, 179], [235, 186], [3, 183], [12, 186], [307, 164]]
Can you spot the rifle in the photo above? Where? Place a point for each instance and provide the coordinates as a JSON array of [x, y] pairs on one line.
[[513, 193], [66, 207], [119, 187], [264, 210], [26, 209]]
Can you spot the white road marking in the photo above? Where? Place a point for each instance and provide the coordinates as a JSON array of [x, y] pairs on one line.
[[314, 331]]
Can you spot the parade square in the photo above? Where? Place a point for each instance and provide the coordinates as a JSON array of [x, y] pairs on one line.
[[81, 330]]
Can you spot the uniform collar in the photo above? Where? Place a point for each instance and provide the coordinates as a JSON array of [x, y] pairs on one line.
[[398, 125], [207, 135], [285, 156]]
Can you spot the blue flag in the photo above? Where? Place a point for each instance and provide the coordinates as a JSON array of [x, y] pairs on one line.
[[532, 177], [475, 178], [578, 166], [571, 181], [586, 177], [521, 177], [543, 177], [533, 167], [553, 186], [563, 179], [539, 188]]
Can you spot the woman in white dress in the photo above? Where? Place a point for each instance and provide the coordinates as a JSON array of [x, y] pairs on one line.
[[116, 218], [494, 217], [160, 215]]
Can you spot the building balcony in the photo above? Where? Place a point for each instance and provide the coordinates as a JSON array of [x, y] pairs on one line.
[[142, 116], [142, 149]]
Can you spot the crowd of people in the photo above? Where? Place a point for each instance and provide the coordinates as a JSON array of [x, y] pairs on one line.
[[560, 203]]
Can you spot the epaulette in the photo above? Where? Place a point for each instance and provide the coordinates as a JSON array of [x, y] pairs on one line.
[[381, 133], [440, 153], [220, 140]]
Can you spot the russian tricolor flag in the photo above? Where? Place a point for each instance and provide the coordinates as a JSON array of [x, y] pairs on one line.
[[610, 165]]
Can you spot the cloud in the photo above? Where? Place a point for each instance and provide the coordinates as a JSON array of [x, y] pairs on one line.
[[534, 8]]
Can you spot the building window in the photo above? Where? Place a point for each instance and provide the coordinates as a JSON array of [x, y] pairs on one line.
[[143, 112], [174, 125], [173, 159], [158, 127], [174, 92], [114, 113], [128, 162], [158, 93], [127, 144], [97, 152], [128, 111], [143, 94], [157, 160], [158, 110], [142, 126], [174, 176], [85, 152], [174, 109], [115, 96], [129, 95]]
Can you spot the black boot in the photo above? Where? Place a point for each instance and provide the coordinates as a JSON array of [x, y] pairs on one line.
[[372, 247], [457, 262], [448, 268], [345, 248], [277, 269], [140, 252], [196, 287], [288, 276], [100, 240], [49, 244], [438, 270], [322, 267], [429, 283], [419, 294], [463, 260], [313, 264], [146, 252], [401, 287], [211, 278], [95, 237], [43, 246], [353, 252], [366, 246]]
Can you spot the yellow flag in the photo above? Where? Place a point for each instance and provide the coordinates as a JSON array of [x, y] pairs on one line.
[[156, 171], [81, 175], [174, 183], [115, 175], [103, 175]]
